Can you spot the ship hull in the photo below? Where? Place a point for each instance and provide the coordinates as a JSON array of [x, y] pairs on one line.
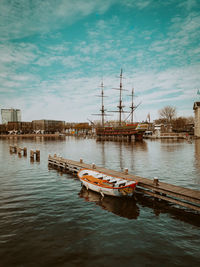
[[127, 130]]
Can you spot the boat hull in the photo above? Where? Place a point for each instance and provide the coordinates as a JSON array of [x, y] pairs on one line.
[[109, 190], [136, 129]]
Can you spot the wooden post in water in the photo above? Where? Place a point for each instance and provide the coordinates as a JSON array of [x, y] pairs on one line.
[[15, 149], [12, 149], [37, 155], [19, 151], [126, 171], [31, 155], [155, 181], [25, 152]]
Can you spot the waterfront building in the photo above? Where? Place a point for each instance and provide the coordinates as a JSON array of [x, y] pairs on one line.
[[196, 109], [10, 115], [48, 126], [20, 127], [3, 129]]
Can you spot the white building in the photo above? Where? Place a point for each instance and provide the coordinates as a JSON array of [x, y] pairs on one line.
[[13, 115], [196, 109]]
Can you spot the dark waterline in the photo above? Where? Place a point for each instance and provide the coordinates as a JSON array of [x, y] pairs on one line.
[[47, 219]]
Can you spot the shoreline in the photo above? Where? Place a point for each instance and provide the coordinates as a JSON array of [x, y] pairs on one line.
[[31, 135]]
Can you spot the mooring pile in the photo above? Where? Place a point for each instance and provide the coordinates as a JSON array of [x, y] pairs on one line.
[[23, 151]]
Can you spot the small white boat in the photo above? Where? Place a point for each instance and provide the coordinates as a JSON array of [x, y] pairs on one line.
[[105, 184]]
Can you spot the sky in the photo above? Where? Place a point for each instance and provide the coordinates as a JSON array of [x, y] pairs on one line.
[[54, 55]]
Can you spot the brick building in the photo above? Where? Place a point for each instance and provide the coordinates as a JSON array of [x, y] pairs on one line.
[[48, 126]]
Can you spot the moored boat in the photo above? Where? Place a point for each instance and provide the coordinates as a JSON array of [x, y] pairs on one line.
[[136, 129], [106, 184]]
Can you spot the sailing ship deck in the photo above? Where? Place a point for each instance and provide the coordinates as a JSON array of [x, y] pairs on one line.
[[184, 197]]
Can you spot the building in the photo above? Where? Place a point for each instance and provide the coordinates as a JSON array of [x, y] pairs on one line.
[[3, 129], [20, 127], [196, 109], [48, 126], [10, 115]]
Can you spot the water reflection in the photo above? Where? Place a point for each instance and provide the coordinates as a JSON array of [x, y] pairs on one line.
[[123, 207], [103, 153], [141, 146], [121, 162], [34, 137], [129, 207], [123, 152], [163, 207], [170, 145]]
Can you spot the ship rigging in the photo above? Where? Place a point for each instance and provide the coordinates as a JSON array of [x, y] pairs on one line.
[[120, 105], [125, 130], [102, 110]]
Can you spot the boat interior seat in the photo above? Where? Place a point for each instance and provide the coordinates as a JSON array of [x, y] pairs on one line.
[[113, 181], [107, 178], [122, 183], [99, 176]]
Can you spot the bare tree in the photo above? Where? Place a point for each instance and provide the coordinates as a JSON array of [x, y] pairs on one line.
[[167, 113], [190, 119]]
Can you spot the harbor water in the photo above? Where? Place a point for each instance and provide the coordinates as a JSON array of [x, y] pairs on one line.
[[48, 219]]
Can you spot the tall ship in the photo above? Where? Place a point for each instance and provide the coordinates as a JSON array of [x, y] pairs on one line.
[[123, 128]]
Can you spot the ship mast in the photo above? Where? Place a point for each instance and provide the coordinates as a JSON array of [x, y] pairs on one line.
[[132, 105], [120, 106], [102, 105], [102, 110]]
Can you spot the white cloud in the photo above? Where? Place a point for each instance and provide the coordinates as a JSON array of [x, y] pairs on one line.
[[73, 99], [183, 33], [188, 4], [23, 18], [17, 54], [141, 4]]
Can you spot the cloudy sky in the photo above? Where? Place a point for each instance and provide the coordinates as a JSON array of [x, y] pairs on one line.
[[55, 53]]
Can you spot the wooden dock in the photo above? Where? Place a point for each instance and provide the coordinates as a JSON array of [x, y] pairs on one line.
[[184, 197]]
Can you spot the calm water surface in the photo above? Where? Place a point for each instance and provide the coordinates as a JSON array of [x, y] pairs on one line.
[[47, 219]]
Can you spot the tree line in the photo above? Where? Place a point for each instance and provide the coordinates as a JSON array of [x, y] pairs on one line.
[[168, 115]]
